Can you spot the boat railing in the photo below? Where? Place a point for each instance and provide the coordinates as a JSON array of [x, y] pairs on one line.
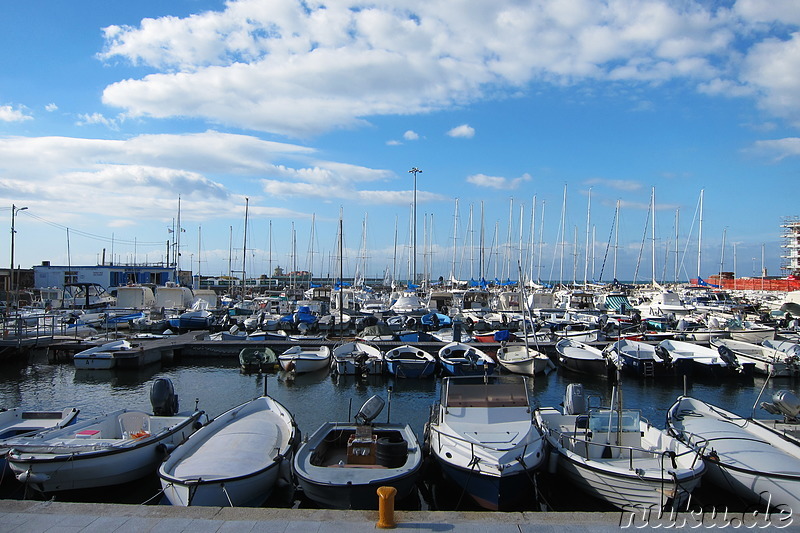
[[695, 443], [633, 452], [471, 443]]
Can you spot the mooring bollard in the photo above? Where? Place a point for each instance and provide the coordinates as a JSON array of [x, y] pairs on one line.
[[386, 507]]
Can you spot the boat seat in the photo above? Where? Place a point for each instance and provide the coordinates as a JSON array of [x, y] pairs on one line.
[[134, 423]]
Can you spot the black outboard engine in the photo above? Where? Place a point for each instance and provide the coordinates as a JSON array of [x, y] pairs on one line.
[[370, 410], [163, 398], [727, 355]]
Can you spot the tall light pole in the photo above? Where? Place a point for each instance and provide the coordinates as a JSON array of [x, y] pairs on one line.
[[414, 171], [11, 285]]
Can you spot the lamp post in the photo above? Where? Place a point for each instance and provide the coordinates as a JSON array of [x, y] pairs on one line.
[[414, 171], [11, 285]]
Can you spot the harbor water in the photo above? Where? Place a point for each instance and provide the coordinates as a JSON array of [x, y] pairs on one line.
[[216, 385]]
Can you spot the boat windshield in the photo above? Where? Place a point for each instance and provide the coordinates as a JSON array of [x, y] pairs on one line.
[[608, 420], [487, 395]]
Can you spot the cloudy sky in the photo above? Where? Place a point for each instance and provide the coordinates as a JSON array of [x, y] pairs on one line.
[[550, 126]]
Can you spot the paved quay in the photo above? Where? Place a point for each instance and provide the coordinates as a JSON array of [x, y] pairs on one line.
[[55, 517]]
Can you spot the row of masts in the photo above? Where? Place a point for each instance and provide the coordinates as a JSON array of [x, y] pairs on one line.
[[530, 253]]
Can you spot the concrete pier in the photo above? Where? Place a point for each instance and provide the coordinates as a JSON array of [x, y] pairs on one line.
[[51, 517]]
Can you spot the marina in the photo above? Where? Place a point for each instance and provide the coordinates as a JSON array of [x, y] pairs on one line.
[[208, 375]]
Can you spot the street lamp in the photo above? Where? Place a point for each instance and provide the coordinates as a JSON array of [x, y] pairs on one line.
[[12, 285], [415, 171]]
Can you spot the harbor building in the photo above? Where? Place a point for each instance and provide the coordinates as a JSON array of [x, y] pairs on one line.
[[109, 275]]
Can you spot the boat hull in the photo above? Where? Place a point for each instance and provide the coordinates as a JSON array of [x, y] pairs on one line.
[[237, 459], [66, 461], [335, 476], [494, 493], [652, 471], [758, 464]]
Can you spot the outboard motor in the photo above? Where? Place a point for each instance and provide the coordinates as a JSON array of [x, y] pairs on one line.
[[727, 355], [574, 400], [163, 398], [370, 410], [784, 403]]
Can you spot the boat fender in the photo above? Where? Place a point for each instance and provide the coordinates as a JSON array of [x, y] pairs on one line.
[[197, 425], [391, 454], [30, 477], [165, 449]]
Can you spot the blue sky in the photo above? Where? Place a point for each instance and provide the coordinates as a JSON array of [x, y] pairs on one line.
[[110, 111]]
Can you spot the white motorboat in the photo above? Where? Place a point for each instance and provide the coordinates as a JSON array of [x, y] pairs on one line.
[[342, 464], [764, 359], [408, 361], [236, 459], [636, 358], [482, 435], [581, 357], [617, 456], [701, 361], [759, 463], [101, 357], [357, 358], [748, 331], [303, 359], [790, 353], [19, 422], [460, 359], [115, 448], [16, 423], [522, 359]]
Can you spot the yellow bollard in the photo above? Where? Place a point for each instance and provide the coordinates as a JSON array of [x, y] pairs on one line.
[[386, 507]]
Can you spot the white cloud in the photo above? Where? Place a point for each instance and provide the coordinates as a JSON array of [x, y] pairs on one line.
[[496, 182], [295, 68], [778, 148], [51, 107], [411, 135], [621, 185], [772, 67], [156, 167], [464, 131], [97, 118], [9, 114]]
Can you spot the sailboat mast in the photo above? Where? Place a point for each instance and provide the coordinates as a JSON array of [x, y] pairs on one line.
[[178, 245], [677, 219], [244, 246], [616, 238], [562, 236], [588, 225], [455, 241], [653, 211], [700, 237], [230, 254], [480, 250], [541, 242]]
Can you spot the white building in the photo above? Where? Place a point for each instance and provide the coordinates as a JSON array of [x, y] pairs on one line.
[[108, 276]]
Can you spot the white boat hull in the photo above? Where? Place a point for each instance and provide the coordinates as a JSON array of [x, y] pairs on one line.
[[485, 441], [304, 360], [237, 459], [70, 458], [756, 463], [640, 475]]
